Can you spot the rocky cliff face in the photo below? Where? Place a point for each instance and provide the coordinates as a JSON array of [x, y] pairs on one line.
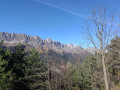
[[35, 41]]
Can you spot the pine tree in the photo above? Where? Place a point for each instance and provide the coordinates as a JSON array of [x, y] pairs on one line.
[[17, 65], [6, 77], [113, 61], [12, 69], [36, 71]]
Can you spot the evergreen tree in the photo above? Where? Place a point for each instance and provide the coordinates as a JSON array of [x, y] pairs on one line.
[[87, 74], [6, 77], [82, 75], [12, 69], [36, 71], [113, 61], [17, 64]]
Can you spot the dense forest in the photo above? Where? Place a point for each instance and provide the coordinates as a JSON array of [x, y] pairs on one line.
[[21, 70]]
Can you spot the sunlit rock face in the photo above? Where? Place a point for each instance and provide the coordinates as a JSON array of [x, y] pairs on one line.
[[13, 38], [43, 44]]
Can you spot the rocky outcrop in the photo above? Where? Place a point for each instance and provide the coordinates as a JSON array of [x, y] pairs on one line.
[[12, 38], [35, 41]]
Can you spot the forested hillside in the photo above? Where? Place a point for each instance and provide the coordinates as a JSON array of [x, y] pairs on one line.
[[21, 70]]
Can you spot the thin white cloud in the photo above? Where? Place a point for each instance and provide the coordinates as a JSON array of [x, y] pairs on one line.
[[65, 10]]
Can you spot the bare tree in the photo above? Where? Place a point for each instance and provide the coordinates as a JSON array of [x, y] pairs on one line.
[[100, 28]]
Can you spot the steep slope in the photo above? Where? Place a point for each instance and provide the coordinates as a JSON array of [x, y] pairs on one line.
[[60, 53], [35, 41]]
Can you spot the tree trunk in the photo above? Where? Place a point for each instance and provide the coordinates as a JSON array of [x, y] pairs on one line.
[[104, 71]]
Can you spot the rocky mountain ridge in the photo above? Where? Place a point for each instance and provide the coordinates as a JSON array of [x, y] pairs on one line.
[[35, 41]]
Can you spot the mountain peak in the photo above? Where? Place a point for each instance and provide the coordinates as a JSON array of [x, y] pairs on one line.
[[12, 38]]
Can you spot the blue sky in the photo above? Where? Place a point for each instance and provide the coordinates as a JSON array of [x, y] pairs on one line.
[[61, 20]]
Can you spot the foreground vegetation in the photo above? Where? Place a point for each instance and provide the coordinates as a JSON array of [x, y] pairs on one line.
[[20, 70]]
